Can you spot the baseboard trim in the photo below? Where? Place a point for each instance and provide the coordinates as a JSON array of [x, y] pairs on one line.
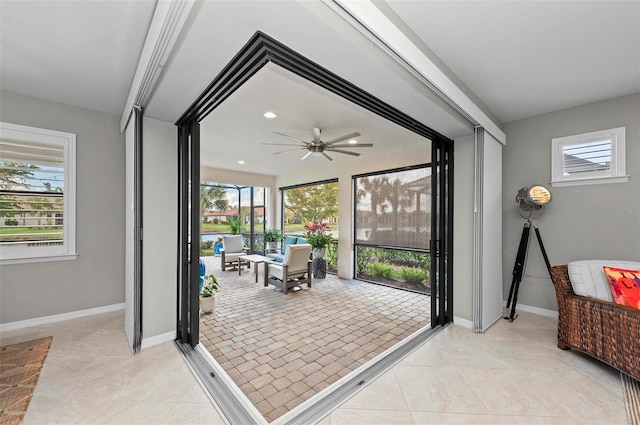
[[536, 310], [60, 317], [158, 339], [462, 322]]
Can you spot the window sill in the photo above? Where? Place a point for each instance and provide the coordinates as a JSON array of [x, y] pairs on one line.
[[23, 260], [597, 180]]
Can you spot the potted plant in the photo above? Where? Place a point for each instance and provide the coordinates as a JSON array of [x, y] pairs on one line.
[[319, 242], [208, 296], [272, 237]]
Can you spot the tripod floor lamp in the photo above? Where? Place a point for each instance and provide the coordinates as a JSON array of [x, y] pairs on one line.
[[530, 202]]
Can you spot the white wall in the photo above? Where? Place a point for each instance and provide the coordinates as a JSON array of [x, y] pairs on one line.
[[463, 229], [129, 295], [488, 302], [96, 277], [581, 222], [321, 169], [160, 229]]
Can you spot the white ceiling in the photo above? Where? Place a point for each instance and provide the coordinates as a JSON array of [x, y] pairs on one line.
[[520, 58], [525, 58], [81, 53]]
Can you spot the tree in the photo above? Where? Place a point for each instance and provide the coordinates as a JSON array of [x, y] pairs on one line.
[[12, 176], [377, 188], [398, 197], [212, 197], [319, 202]]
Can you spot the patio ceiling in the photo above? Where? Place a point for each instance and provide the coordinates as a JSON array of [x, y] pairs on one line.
[[237, 130]]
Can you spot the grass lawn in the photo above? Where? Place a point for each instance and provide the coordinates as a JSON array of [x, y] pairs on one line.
[[215, 228], [14, 233]]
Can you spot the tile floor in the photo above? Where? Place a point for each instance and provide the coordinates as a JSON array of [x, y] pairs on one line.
[[281, 350], [90, 377], [512, 374]]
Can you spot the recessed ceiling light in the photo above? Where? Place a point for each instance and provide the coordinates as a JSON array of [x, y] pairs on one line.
[[352, 141], [241, 162], [269, 115]]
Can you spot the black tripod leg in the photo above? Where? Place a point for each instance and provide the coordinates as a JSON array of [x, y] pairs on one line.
[[544, 251], [518, 270]]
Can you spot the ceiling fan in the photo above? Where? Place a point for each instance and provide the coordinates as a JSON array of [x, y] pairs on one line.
[[318, 146]]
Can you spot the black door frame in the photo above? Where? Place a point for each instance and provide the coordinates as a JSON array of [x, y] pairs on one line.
[[260, 50]]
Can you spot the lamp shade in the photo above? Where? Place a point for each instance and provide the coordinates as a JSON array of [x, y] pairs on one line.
[[533, 198]]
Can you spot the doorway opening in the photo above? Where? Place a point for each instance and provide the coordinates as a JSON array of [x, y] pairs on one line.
[[257, 359]]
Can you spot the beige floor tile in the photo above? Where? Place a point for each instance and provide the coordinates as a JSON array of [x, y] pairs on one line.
[[433, 418], [437, 389], [384, 394], [90, 376], [371, 417]]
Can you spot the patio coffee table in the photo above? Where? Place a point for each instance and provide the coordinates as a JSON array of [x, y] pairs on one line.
[[255, 259]]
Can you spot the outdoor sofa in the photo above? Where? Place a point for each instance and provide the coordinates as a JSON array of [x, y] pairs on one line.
[[288, 240]]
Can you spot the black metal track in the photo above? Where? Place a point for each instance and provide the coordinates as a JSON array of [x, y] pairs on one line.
[[262, 49]]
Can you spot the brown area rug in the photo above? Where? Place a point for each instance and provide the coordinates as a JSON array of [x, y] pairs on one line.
[[20, 366], [631, 389]]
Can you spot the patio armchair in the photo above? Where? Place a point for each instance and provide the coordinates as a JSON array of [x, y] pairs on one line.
[[232, 249], [294, 270]]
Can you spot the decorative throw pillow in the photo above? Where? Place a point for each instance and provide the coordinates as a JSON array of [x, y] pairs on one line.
[[625, 286]]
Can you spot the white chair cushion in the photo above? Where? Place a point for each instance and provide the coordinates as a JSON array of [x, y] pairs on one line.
[[588, 279], [297, 257], [232, 244], [232, 257]]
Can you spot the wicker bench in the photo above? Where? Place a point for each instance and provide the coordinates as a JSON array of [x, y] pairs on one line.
[[604, 330]]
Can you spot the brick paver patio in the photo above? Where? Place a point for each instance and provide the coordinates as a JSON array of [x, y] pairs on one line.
[[282, 349]]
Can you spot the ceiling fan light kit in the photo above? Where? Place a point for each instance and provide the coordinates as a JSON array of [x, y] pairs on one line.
[[319, 147]]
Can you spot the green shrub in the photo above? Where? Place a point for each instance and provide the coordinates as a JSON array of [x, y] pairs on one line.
[[379, 269], [413, 275], [363, 258], [205, 247], [11, 222], [332, 256]]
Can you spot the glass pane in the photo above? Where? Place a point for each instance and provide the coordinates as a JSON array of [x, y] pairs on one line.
[[587, 157], [393, 209], [31, 194], [304, 205]]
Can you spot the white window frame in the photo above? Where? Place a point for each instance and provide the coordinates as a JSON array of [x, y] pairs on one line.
[[66, 251], [616, 172]]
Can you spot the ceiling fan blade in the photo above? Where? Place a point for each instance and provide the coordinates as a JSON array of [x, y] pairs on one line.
[[306, 156], [283, 144], [291, 137], [341, 151], [327, 156], [341, 138], [358, 145], [289, 150], [316, 134]]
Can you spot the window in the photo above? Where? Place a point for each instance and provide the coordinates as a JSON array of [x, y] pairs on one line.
[[589, 158], [37, 194], [318, 201], [392, 219]]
